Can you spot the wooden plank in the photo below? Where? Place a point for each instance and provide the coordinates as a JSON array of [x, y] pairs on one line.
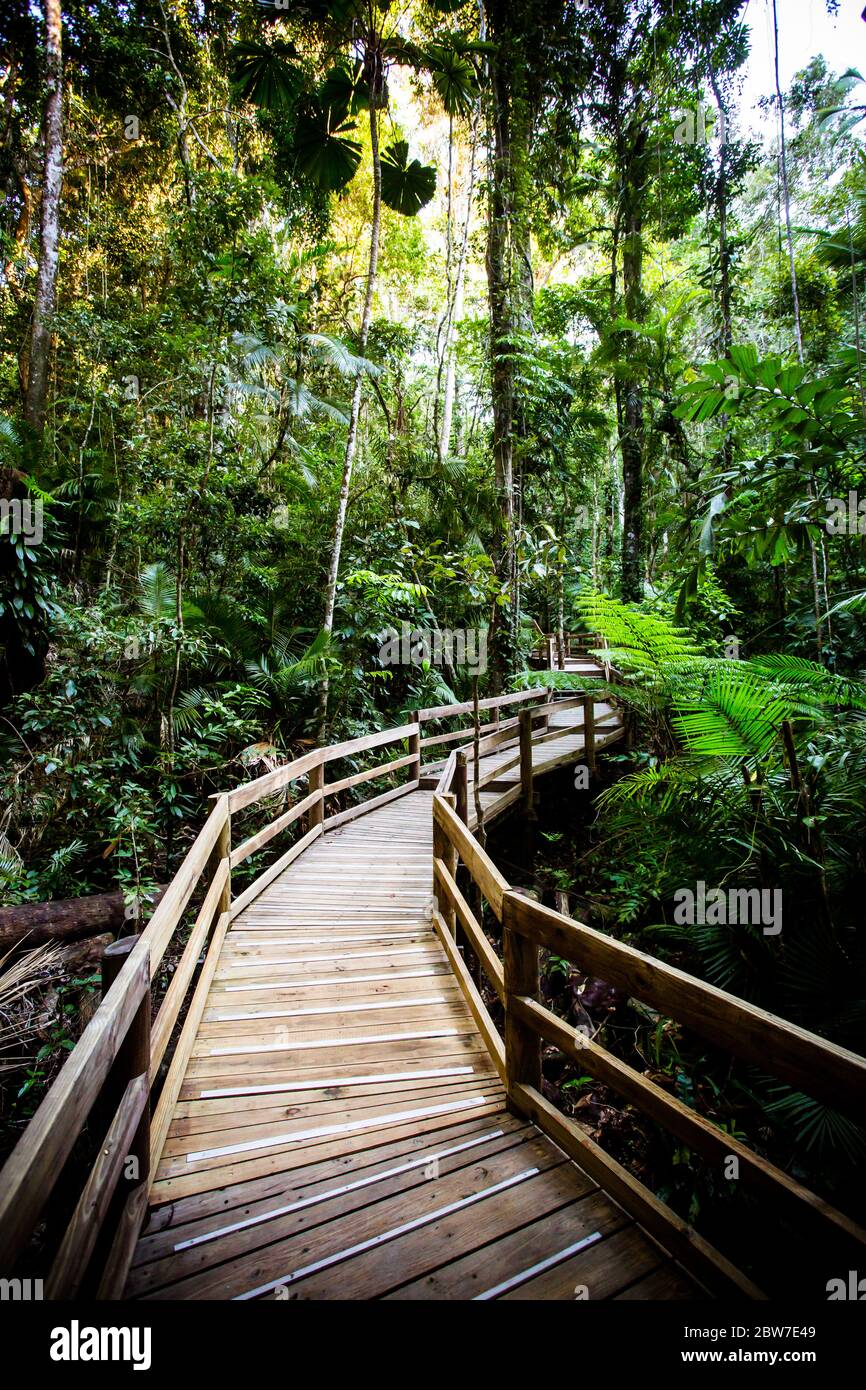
[[822, 1069], [334, 751], [676, 1235], [162, 925], [568, 731], [354, 1242], [40, 1153], [490, 962], [603, 1269], [369, 774], [520, 974], [444, 784], [474, 1276], [373, 804], [70, 1264], [192, 1181], [491, 882], [203, 1211], [263, 837], [525, 761], [123, 1247], [461, 788], [445, 854], [589, 731], [316, 783], [506, 734], [280, 865], [273, 782], [489, 702], [698, 1133], [500, 805], [183, 1051], [497, 770], [169, 1010], [465, 1221], [432, 739], [478, 1009], [666, 1284], [301, 1210]]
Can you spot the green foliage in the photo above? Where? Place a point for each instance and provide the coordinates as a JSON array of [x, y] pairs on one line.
[[407, 185]]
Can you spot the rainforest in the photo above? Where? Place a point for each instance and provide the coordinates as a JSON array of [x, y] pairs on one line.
[[433, 648]]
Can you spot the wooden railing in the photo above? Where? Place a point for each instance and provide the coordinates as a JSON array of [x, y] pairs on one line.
[[122, 1043], [820, 1068], [120, 1051], [529, 730], [552, 649]]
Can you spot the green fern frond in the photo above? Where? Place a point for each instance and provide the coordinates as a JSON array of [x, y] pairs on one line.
[[734, 715], [809, 679]]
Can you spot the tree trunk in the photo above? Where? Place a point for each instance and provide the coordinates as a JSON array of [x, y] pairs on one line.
[[786, 197], [630, 394], [355, 412], [31, 923], [36, 396], [509, 282], [499, 287], [455, 310]]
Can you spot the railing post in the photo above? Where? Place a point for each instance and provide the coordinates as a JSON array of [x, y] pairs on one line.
[[461, 787], [548, 700], [444, 850], [589, 731], [316, 783], [525, 719], [522, 1043], [415, 747], [460, 873], [224, 851], [133, 1057], [628, 725]]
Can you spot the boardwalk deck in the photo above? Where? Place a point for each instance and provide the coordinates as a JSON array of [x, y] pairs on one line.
[[339, 1113], [341, 1131]]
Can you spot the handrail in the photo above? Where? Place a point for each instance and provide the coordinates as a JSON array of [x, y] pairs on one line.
[[36, 1162], [811, 1063]]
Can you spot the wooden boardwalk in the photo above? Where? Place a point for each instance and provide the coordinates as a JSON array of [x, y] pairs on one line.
[[325, 1105], [341, 1131]]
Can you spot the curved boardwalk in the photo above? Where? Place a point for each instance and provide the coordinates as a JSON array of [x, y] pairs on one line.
[[341, 1130], [338, 1113]]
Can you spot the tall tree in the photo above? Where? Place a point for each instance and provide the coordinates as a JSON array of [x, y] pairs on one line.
[[362, 39], [36, 389], [521, 85]]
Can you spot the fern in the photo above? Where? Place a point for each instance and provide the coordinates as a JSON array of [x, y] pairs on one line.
[[732, 716], [641, 641], [817, 1128], [810, 681]]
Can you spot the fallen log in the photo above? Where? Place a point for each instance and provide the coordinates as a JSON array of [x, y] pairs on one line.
[[68, 918]]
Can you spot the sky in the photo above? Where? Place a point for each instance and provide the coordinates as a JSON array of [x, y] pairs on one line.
[[805, 28]]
